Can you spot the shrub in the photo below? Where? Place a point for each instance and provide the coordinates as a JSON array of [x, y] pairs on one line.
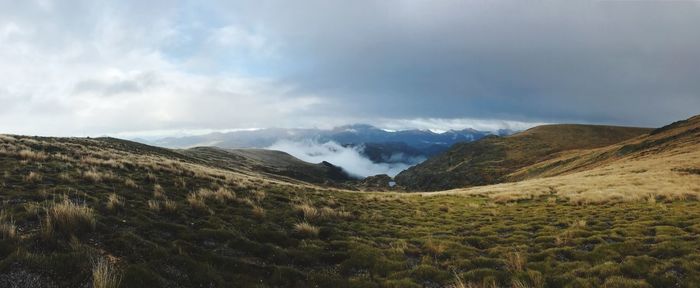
[[68, 218], [105, 275]]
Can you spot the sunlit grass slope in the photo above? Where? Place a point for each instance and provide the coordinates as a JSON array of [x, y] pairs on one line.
[[111, 213]]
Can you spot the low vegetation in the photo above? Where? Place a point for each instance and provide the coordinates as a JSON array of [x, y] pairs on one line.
[[139, 224]]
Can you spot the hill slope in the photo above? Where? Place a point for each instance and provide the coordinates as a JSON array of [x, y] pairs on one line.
[[491, 159], [79, 212], [269, 164], [665, 164]]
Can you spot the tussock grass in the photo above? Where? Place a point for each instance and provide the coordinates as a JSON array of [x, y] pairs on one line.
[[105, 274], [8, 229], [169, 206], [197, 200], [515, 261], [114, 202], [158, 192], [154, 205], [258, 212], [68, 218], [96, 176], [306, 229], [32, 155], [33, 177], [130, 183]]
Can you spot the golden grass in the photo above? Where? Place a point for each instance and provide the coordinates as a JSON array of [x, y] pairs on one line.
[[68, 218], [197, 200], [131, 183], [306, 229], [105, 275], [307, 211], [224, 195], [258, 211], [33, 177], [96, 176], [8, 229], [615, 182], [169, 206], [158, 191], [154, 205], [32, 155], [114, 202], [515, 261]]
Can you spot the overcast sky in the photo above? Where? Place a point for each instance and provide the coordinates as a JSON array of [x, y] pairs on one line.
[[147, 67]]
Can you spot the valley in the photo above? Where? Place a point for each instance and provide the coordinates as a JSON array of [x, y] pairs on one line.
[[615, 211]]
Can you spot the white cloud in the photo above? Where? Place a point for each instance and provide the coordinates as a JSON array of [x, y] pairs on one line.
[[349, 158]]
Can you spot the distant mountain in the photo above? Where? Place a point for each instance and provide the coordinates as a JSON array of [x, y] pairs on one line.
[[381, 146], [490, 160]]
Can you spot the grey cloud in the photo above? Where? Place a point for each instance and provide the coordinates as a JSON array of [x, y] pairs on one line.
[[97, 67], [626, 62]]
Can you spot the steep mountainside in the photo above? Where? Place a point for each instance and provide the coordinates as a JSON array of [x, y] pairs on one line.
[[491, 159]]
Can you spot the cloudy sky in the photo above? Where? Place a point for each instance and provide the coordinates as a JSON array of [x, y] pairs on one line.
[[149, 67]]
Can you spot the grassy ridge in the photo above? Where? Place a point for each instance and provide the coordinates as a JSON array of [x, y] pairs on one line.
[[491, 159], [110, 213]]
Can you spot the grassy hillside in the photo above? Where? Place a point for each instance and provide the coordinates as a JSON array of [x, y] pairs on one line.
[[270, 164], [491, 159], [680, 138], [111, 213]]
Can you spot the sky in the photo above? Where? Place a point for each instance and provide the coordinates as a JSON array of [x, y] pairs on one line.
[[90, 68]]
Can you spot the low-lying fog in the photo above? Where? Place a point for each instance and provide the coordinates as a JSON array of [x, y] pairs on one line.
[[351, 159]]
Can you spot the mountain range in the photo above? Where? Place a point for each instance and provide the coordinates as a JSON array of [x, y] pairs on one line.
[[379, 145]]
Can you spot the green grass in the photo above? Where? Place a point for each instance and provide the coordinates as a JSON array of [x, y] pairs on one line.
[[363, 240]]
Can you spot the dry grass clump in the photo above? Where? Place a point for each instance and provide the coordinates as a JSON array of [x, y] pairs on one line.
[[158, 191], [433, 247], [114, 202], [131, 183], [105, 275], [33, 177], [258, 212], [259, 196], [197, 200], [169, 206], [224, 195], [307, 211], [96, 176], [515, 261], [154, 205], [32, 155], [8, 229], [68, 218], [306, 229]]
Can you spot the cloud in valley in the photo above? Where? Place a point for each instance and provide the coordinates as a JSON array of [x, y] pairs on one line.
[[349, 158]]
